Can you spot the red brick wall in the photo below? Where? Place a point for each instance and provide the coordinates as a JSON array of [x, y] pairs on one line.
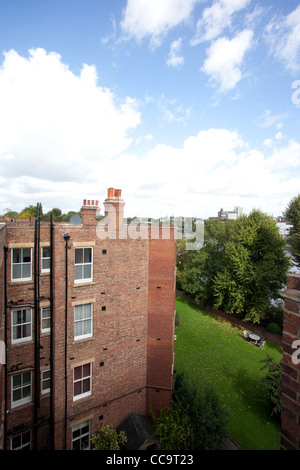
[[161, 309], [290, 413], [120, 284], [2, 332], [131, 350]]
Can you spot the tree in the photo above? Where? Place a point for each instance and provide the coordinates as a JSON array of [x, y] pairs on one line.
[[11, 214], [196, 269], [197, 420], [292, 213], [107, 438], [272, 381], [255, 267], [241, 267], [173, 430]]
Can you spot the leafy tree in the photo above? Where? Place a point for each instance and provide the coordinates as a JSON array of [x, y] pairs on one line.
[[241, 267], [173, 430], [107, 438], [292, 213], [196, 269], [197, 420], [11, 214], [255, 267], [272, 381]]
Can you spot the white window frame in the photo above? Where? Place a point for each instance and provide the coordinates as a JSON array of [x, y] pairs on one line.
[[83, 264], [44, 258], [45, 330], [27, 398], [44, 380], [22, 445], [82, 435], [21, 279], [82, 320], [21, 325], [87, 377]]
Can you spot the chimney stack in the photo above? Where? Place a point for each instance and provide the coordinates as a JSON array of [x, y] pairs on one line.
[[89, 212], [114, 211]]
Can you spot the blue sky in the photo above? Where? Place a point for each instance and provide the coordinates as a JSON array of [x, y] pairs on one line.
[[186, 105]]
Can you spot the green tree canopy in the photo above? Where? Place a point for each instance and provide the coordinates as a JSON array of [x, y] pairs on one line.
[[241, 267], [197, 420], [292, 213], [107, 438]]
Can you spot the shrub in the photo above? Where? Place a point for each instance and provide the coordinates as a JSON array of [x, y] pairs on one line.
[[107, 438], [197, 420], [272, 382], [274, 328]]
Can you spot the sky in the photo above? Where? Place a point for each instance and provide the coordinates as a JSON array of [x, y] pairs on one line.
[[188, 106]]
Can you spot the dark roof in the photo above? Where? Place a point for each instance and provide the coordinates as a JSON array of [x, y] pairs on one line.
[[138, 430]]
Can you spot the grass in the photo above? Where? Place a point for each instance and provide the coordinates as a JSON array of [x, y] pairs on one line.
[[212, 349]]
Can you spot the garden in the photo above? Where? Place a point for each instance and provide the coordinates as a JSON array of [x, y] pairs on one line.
[[211, 350]]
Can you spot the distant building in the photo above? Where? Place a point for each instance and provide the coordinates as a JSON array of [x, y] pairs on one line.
[[237, 212], [86, 326], [285, 227]]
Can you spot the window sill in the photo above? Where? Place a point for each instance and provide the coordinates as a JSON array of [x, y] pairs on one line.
[[81, 284]]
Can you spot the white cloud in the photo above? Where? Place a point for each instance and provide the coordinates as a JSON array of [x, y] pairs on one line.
[[155, 18], [49, 114], [283, 36], [268, 119], [224, 59], [216, 18], [212, 169], [175, 57]]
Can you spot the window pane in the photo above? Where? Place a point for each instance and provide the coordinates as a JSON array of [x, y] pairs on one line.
[[77, 373], [78, 329], [26, 391], [86, 385], [87, 271], [46, 251], [16, 255], [17, 395], [26, 378], [77, 388], [26, 255], [45, 264], [78, 312], [27, 314], [16, 271], [87, 310], [87, 255], [26, 331], [78, 272], [16, 381], [26, 270], [85, 443], [86, 370], [16, 442], [78, 255]]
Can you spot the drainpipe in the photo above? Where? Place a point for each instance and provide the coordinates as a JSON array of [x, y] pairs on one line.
[[51, 338], [66, 237], [36, 329], [5, 340]]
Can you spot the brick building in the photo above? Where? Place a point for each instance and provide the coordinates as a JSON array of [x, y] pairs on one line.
[[290, 409], [88, 307]]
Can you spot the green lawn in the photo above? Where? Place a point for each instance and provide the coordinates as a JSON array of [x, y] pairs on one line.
[[210, 348]]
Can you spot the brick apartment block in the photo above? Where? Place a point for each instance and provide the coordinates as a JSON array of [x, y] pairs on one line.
[[290, 407], [86, 326]]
